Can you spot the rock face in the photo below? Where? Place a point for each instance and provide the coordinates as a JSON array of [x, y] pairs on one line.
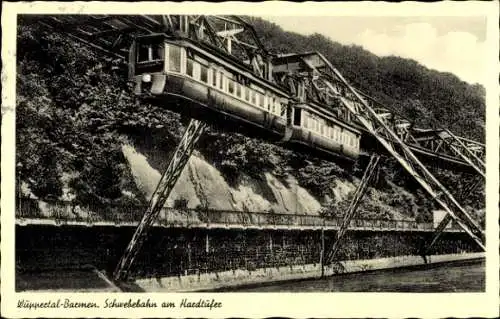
[[201, 184]]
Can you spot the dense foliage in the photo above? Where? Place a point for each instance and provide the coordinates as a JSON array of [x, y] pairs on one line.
[[74, 111], [428, 96]]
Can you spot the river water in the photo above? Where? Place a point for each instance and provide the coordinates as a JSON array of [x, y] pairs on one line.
[[464, 276]]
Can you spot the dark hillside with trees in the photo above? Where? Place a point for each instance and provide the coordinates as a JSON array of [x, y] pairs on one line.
[[433, 98], [75, 110]]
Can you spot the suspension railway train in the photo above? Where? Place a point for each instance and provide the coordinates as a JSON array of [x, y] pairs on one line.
[[203, 83]]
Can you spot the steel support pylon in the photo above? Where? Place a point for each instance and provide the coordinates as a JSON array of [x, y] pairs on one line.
[[165, 185], [448, 219], [351, 211], [374, 123], [464, 151]]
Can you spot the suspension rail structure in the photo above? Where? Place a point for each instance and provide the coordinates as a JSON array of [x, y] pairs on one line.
[[390, 134], [351, 211], [316, 80], [113, 35], [165, 185]]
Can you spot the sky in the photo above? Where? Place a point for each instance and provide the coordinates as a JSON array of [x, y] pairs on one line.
[[447, 44]]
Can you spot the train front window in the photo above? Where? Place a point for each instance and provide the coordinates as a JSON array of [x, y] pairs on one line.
[[150, 52], [143, 53], [158, 52]]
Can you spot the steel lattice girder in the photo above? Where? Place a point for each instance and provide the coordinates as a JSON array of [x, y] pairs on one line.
[[311, 70], [367, 116], [167, 182], [351, 211], [113, 34]]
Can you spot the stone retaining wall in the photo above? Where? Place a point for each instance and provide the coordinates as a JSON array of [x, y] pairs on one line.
[[240, 277]]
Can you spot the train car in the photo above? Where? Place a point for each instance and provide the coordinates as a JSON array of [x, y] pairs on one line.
[[202, 83], [318, 127]]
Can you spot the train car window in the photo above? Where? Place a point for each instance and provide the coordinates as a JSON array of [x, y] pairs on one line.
[[257, 99], [296, 117], [189, 67], [158, 51], [238, 90], [253, 97], [214, 78], [230, 86], [247, 94], [221, 80], [174, 58], [196, 70], [281, 110], [203, 73], [261, 100], [142, 53]]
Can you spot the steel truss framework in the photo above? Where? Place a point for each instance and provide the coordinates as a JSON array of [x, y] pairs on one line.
[[306, 81], [378, 124], [369, 173], [319, 81], [113, 35], [167, 182]]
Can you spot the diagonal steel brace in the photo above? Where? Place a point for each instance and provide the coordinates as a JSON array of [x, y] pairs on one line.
[[351, 211], [165, 185]]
